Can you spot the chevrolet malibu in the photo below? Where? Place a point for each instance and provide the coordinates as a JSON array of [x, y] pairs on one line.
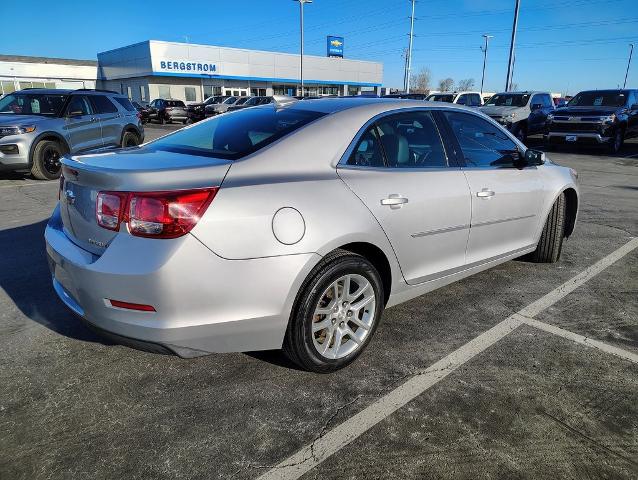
[[294, 225]]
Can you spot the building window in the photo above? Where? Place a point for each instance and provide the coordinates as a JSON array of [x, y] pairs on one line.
[[284, 90], [142, 93], [24, 85], [7, 86], [164, 91], [49, 85], [353, 90], [191, 94], [129, 92]]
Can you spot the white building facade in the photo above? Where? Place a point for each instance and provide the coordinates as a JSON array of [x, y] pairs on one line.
[[18, 72], [155, 69]]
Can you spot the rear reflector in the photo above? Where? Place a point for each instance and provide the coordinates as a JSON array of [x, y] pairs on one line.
[[132, 306], [153, 214]]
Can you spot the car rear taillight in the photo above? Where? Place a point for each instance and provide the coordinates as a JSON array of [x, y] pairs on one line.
[[139, 115], [153, 214]]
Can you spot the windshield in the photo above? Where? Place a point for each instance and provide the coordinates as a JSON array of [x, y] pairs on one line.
[[254, 101], [242, 100], [230, 100], [441, 97], [599, 99], [237, 135], [33, 103], [509, 100]]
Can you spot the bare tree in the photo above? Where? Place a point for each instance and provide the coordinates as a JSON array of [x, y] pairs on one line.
[[446, 85], [465, 85], [420, 82]]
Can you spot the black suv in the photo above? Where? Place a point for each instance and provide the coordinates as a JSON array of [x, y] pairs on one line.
[[595, 117]]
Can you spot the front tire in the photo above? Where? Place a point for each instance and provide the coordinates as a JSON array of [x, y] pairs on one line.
[[520, 132], [616, 142], [46, 160], [551, 242], [336, 313]]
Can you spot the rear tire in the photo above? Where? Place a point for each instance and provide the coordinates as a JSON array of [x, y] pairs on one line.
[[551, 242], [316, 349], [46, 160], [130, 139]]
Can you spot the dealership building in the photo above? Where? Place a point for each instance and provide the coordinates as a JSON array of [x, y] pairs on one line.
[[189, 72]]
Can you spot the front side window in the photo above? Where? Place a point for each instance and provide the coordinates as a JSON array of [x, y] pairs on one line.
[[483, 145], [103, 104], [32, 104], [509, 100], [78, 106], [235, 136]]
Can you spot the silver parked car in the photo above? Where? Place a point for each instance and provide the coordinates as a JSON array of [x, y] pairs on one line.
[[39, 126], [293, 226]]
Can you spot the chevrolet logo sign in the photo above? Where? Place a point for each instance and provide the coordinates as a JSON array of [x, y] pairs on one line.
[[336, 43]]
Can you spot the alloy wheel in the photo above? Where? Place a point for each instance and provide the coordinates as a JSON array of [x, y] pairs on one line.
[[344, 316], [51, 160]]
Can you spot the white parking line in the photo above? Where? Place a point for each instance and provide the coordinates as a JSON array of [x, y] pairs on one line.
[[312, 455], [589, 342], [25, 184]]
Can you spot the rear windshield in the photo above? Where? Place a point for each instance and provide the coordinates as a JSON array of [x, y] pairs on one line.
[[509, 100], [175, 103], [441, 98], [599, 99], [235, 135]]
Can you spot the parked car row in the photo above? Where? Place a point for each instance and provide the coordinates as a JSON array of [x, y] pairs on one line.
[[594, 117]]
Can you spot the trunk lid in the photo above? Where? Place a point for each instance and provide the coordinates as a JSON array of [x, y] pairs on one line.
[[133, 170]]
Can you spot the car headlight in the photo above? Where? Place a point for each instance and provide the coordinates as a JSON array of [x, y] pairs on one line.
[[510, 116], [6, 131], [608, 118]]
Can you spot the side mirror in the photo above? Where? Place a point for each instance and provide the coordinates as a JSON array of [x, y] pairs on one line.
[[534, 157], [536, 106]]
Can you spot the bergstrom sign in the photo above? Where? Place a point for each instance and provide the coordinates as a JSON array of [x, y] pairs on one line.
[[185, 67]]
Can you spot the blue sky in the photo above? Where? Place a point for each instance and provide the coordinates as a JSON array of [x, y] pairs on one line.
[[563, 45]]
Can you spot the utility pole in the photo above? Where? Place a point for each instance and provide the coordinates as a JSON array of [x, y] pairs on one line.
[[484, 50], [511, 58], [631, 51], [409, 70], [301, 4], [405, 70]]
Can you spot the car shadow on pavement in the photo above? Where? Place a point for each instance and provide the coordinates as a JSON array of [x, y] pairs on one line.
[[25, 278]]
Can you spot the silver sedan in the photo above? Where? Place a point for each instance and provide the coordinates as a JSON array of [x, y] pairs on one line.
[[294, 225]]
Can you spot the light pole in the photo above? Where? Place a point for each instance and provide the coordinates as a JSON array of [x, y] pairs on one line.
[[301, 4], [484, 49], [631, 51], [408, 73], [510, 66]]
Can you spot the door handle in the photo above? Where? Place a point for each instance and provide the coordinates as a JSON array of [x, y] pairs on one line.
[[394, 201], [485, 193]]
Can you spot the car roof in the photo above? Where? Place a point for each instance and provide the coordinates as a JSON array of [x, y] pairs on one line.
[[372, 105], [67, 91]]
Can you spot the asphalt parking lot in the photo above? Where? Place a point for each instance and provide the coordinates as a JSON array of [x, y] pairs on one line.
[[522, 371]]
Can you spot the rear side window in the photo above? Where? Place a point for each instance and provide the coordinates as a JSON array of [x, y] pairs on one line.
[[235, 136], [483, 144], [126, 103], [103, 104]]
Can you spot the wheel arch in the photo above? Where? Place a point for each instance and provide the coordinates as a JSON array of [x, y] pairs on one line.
[[571, 198], [129, 127], [378, 258], [54, 136]]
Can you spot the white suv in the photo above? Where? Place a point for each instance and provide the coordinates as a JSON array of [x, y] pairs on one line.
[[469, 99]]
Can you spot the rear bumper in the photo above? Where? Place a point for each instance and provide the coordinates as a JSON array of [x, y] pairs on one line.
[[581, 137], [203, 303]]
